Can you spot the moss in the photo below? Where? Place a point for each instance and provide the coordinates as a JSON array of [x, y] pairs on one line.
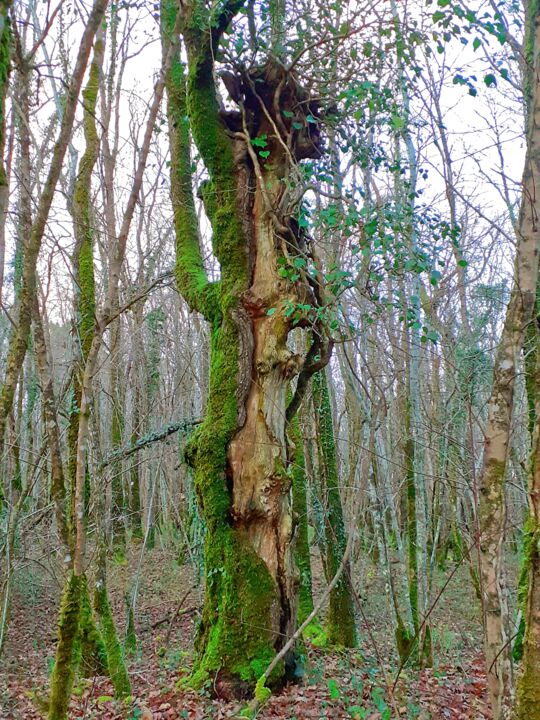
[[234, 644], [262, 693], [65, 665], [340, 619], [82, 206], [190, 271], [117, 667], [527, 556], [130, 640], [404, 642], [83, 263], [91, 648], [302, 554], [424, 654], [528, 692], [234, 640], [316, 634], [6, 39]]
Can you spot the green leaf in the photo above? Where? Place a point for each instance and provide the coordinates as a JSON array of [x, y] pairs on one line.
[[259, 141], [288, 114], [105, 698], [264, 153], [299, 262], [462, 263], [397, 122], [438, 16], [490, 80], [271, 311], [297, 125], [476, 43], [311, 119]]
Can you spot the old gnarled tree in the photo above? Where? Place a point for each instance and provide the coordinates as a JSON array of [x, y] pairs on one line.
[[239, 453]]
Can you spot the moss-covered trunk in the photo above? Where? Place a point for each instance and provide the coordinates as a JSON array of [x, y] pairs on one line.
[[239, 453], [340, 620], [528, 695], [300, 506], [5, 61], [65, 665], [115, 657]]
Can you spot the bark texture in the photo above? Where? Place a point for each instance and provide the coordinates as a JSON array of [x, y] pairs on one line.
[[239, 453], [492, 513]]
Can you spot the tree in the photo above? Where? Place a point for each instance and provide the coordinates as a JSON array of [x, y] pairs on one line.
[[492, 512], [239, 452]]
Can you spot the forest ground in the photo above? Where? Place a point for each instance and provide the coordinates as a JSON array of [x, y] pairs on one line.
[[346, 684]]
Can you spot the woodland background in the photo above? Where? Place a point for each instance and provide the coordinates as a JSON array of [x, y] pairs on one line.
[[367, 159]]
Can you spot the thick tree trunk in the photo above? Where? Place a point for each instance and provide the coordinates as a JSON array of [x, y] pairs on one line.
[[239, 453]]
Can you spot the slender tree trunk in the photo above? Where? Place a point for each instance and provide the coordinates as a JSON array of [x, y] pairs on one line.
[[497, 445], [5, 65], [75, 615], [340, 619], [300, 508], [528, 696], [19, 338]]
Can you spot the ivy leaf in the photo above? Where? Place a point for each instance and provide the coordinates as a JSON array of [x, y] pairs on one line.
[[311, 119], [435, 277], [476, 43], [259, 141], [264, 153], [271, 311], [490, 80], [297, 125], [397, 122], [288, 113]]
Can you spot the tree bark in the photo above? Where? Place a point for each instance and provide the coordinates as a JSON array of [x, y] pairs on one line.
[[497, 444], [239, 453]]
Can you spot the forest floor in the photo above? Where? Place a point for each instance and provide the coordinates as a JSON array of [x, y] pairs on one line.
[[347, 684]]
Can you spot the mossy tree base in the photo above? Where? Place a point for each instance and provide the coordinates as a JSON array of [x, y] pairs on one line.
[[66, 657]]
